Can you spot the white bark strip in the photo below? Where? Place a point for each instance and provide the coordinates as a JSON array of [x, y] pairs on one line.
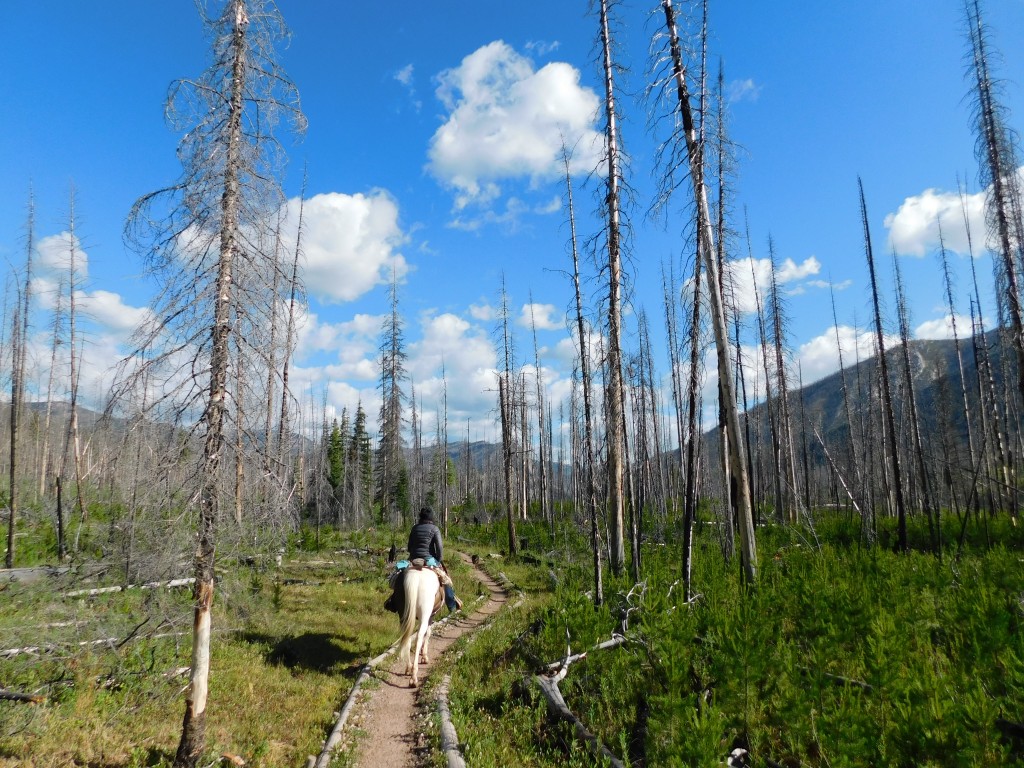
[[201, 662]]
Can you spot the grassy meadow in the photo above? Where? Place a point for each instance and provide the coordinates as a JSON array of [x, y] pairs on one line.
[[841, 655]]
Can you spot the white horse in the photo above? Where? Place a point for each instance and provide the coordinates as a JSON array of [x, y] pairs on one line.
[[421, 592]]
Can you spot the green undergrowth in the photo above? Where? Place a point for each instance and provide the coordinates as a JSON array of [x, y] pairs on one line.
[[288, 645], [841, 656]]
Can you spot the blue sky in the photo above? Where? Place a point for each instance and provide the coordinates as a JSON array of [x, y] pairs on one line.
[[432, 151]]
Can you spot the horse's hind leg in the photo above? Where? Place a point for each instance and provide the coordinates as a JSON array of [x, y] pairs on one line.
[[404, 653], [425, 654], [415, 682]]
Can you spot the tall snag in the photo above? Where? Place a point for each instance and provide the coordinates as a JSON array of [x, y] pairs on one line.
[[197, 236], [737, 457], [506, 392], [615, 393], [889, 422], [390, 464], [910, 396], [19, 344], [996, 151], [589, 492]]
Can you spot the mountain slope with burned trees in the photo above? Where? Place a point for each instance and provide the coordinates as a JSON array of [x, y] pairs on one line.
[[936, 374]]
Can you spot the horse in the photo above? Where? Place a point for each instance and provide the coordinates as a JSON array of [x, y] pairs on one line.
[[422, 588]]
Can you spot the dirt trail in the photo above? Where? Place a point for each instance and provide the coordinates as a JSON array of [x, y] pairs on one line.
[[390, 714]]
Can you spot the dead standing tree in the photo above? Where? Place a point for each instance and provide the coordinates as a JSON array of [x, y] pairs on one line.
[[889, 422], [998, 170], [612, 210], [19, 344], [677, 81], [589, 493], [195, 236]]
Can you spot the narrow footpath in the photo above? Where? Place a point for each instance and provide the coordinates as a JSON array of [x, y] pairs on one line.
[[390, 714]]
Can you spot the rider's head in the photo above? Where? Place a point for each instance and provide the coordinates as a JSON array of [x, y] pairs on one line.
[[426, 515]]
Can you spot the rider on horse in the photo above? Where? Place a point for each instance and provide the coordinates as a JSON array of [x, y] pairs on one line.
[[425, 542]]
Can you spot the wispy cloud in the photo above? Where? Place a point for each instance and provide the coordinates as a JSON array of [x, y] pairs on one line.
[[405, 77], [742, 90], [542, 47]]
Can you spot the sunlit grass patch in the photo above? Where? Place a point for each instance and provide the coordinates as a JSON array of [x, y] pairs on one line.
[[284, 658]]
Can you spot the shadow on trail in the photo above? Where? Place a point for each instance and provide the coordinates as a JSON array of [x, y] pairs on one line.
[[312, 651]]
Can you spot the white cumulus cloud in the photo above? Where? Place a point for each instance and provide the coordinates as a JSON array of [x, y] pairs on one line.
[[914, 227], [507, 120], [109, 310], [350, 243], [942, 328]]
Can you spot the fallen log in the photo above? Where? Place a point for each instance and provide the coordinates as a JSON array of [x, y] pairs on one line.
[[26, 575], [121, 588], [449, 739], [838, 679], [549, 687], [27, 698], [112, 642], [563, 663]]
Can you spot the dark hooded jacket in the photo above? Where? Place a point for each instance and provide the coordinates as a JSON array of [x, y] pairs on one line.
[[425, 541]]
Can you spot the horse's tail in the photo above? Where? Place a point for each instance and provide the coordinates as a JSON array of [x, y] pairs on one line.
[[411, 587]]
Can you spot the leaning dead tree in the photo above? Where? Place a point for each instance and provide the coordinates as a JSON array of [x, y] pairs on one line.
[[738, 468], [998, 162], [198, 237]]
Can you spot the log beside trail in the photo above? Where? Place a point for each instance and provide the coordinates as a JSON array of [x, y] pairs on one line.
[[27, 698], [28, 575], [449, 739]]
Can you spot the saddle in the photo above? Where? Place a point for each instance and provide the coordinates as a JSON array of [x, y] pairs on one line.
[[396, 602]]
